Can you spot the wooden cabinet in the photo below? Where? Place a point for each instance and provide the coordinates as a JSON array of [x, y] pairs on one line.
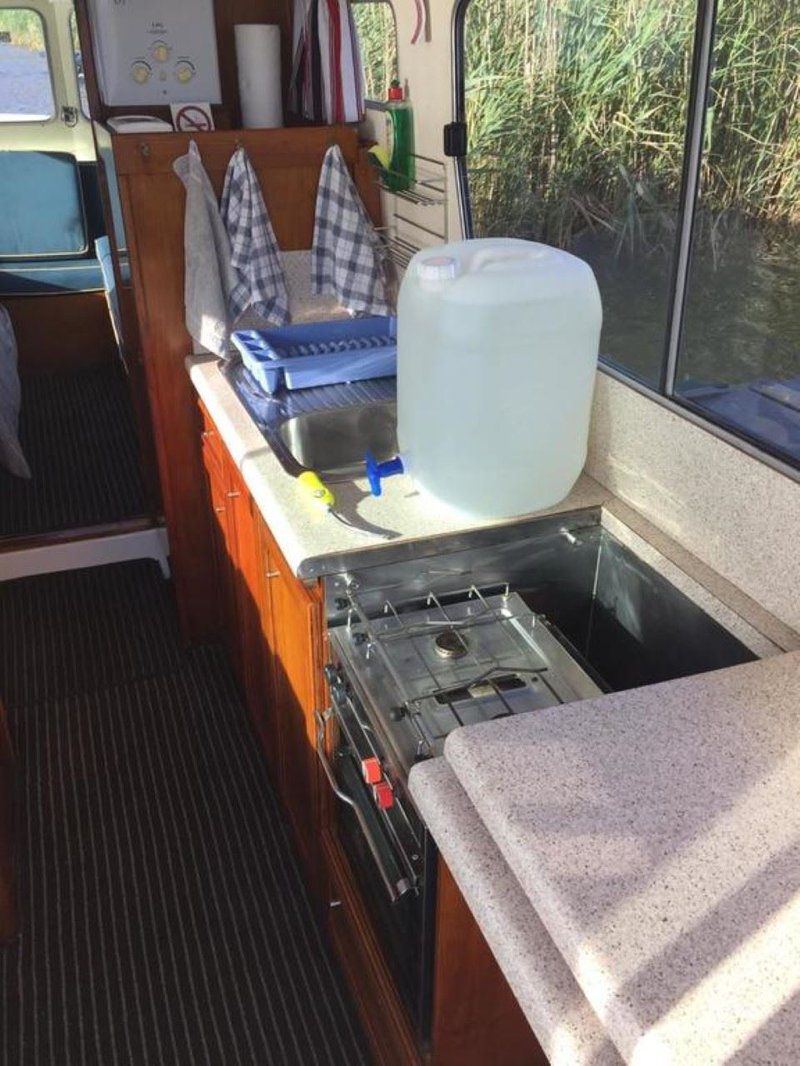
[[273, 627], [223, 531], [476, 1018], [295, 612]]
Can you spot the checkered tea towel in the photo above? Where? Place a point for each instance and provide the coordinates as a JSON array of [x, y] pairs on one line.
[[347, 257], [259, 282]]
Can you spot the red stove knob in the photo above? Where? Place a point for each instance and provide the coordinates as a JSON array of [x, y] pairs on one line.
[[371, 769], [383, 795]]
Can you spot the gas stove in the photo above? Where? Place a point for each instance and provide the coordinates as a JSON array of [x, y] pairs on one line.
[[421, 670]]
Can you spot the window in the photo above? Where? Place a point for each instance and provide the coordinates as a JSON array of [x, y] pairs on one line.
[[377, 35], [739, 353], [660, 142], [26, 90]]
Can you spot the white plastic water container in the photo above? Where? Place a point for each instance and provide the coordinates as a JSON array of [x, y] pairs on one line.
[[496, 361]]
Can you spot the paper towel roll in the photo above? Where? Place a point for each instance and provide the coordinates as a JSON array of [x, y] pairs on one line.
[[258, 59]]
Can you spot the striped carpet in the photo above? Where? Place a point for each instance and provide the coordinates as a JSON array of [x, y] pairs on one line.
[[164, 919], [78, 434]]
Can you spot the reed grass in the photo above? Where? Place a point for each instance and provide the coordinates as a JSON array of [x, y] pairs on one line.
[[377, 33], [577, 115], [25, 28]]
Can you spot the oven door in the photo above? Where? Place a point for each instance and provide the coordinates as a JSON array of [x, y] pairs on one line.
[[389, 855]]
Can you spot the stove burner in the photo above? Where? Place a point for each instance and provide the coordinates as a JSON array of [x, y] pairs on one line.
[[449, 645]]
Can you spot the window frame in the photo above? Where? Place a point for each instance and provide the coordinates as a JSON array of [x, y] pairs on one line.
[[35, 120], [665, 393]]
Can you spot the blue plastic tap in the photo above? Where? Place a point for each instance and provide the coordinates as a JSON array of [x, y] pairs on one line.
[[376, 471]]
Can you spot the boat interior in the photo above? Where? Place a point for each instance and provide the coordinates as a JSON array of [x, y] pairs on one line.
[[399, 495]]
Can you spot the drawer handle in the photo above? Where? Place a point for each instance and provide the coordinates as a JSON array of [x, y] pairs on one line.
[[207, 434], [233, 494], [273, 573]]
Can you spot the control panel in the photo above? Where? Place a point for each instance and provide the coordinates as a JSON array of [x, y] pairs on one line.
[[155, 51]]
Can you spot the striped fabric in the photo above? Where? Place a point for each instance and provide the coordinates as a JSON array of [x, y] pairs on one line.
[[79, 437], [163, 916]]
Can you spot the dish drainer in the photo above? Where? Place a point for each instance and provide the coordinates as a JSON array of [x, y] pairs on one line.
[[319, 353]]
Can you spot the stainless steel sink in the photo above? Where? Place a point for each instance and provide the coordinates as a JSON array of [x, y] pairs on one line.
[[332, 441]]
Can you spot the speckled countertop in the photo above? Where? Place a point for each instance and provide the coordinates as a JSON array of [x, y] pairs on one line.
[[656, 833], [305, 534]]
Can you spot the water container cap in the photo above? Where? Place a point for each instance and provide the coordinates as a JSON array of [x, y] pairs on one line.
[[437, 268]]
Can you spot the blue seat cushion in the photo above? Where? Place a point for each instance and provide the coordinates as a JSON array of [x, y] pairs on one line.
[[42, 205]]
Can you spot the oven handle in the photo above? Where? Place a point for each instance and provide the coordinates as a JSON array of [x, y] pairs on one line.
[[395, 891]]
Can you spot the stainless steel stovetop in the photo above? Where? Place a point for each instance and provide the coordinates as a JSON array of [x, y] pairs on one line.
[[422, 672]]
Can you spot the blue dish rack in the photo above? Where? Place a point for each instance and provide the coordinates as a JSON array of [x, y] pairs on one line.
[[320, 353]]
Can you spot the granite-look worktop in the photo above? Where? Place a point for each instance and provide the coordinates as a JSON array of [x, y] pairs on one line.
[[656, 833], [308, 536]]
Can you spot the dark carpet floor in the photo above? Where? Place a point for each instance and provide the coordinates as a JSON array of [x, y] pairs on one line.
[[163, 916], [79, 437]]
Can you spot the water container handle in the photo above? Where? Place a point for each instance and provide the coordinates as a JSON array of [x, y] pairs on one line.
[[489, 256], [376, 471]]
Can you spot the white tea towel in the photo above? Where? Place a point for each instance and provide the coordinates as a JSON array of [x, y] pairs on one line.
[[208, 277], [347, 257], [259, 281], [11, 456]]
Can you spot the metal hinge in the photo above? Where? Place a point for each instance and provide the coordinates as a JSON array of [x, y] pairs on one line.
[[69, 116], [455, 139]]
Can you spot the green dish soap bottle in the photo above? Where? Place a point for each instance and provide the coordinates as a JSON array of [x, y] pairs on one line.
[[400, 118]]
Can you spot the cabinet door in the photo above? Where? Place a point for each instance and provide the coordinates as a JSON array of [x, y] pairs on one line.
[[297, 685], [224, 542], [249, 591], [476, 1018]]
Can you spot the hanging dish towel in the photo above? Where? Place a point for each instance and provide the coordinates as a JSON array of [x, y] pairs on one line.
[[11, 456], [259, 282], [347, 257], [208, 277], [327, 82]]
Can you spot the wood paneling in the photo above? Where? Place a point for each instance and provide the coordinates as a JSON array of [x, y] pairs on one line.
[[287, 163], [7, 909], [64, 331], [476, 1018]]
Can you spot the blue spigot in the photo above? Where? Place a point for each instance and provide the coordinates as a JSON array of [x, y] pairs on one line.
[[376, 471]]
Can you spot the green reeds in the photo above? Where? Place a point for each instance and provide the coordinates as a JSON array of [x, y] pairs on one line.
[[577, 115], [25, 28]]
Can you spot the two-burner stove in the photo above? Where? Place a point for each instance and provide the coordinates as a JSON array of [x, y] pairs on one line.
[[421, 671]]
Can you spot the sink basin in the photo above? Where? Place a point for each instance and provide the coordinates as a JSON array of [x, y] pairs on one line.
[[332, 441]]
